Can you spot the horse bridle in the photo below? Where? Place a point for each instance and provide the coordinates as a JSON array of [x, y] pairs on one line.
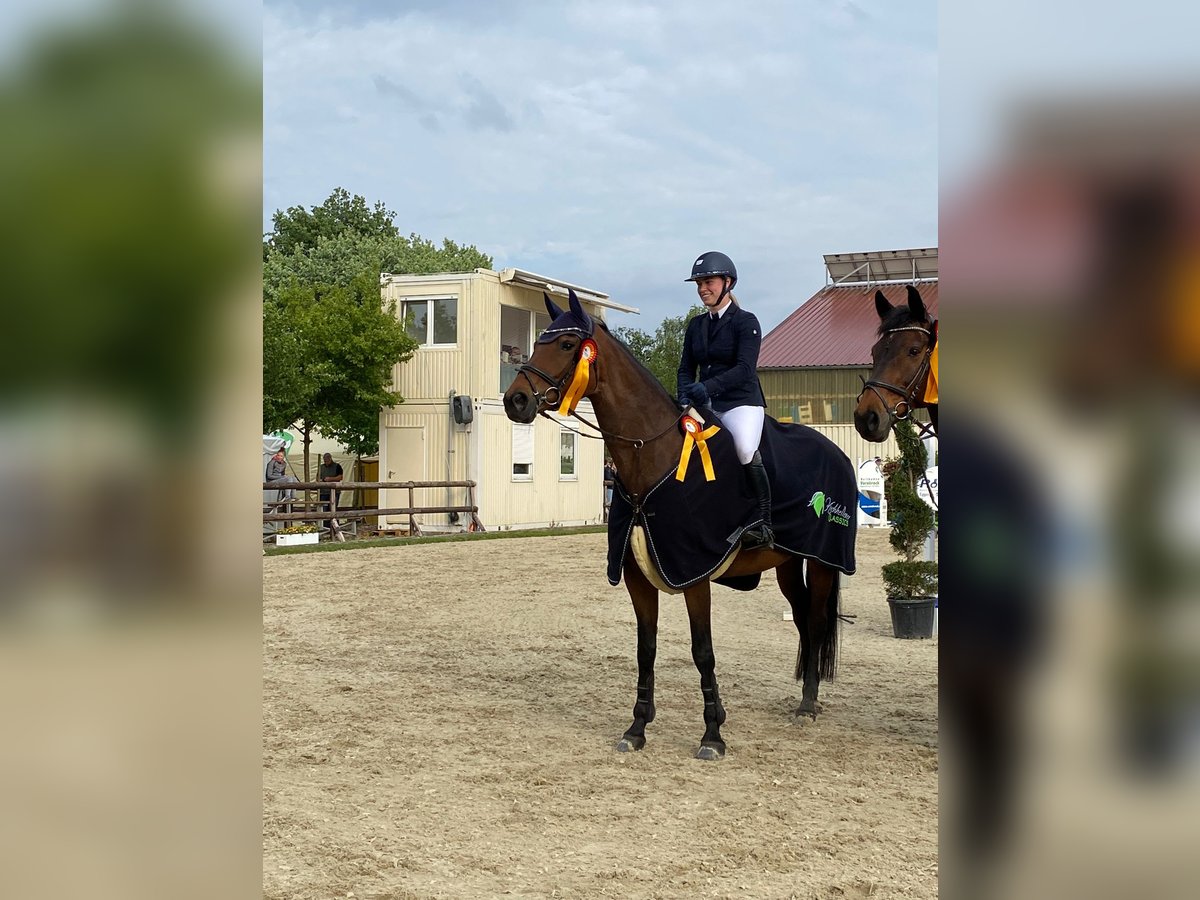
[[556, 386], [908, 395]]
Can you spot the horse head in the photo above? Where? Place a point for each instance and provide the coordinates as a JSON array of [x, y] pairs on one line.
[[543, 382], [900, 366]]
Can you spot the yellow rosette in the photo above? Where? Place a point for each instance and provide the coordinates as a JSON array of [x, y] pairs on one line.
[[931, 383], [693, 436], [587, 356]]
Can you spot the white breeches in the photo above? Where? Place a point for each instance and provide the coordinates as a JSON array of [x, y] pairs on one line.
[[745, 423]]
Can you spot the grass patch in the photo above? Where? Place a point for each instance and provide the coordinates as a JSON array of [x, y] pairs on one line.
[[354, 544]]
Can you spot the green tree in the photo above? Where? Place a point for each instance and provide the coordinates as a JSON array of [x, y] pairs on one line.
[[912, 519], [329, 343], [300, 229], [328, 354], [660, 352], [344, 237]]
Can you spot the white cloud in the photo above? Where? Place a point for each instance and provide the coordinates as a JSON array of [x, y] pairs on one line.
[[607, 144]]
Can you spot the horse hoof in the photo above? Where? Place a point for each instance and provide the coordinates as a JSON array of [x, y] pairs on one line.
[[630, 744], [710, 752], [807, 708]]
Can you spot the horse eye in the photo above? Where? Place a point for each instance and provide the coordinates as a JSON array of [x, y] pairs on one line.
[[568, 345], [914, 351]]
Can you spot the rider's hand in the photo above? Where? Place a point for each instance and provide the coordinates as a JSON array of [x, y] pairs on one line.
[[694, 394]]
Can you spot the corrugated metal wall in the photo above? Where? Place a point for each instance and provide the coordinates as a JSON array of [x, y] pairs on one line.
[[482, 452], [855, 447], [825, 399], [813, 396], [504, 503], [446, 451], [433, 372]]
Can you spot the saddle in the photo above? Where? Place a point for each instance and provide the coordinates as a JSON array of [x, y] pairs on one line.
[[683, 532]]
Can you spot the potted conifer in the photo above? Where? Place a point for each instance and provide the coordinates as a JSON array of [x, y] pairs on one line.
[[911, 584]]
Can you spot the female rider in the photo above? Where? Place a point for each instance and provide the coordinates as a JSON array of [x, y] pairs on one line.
[[719, 369]]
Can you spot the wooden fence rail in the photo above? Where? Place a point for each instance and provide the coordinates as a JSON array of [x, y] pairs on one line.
[[326, 510], [364, 485], [364, 513]]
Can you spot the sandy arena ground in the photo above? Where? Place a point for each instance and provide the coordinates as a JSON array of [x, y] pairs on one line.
[[439, 722]]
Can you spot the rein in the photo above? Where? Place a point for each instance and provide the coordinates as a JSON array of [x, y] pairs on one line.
[[908, 395], [638, 443], [556, 386]]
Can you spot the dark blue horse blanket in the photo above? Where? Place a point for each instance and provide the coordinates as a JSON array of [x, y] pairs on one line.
[[692, 526]]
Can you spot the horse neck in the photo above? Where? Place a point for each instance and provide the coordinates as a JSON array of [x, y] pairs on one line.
[[628, 401]]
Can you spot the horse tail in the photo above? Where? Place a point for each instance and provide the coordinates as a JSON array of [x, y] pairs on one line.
[[828, 649], [827, 658]]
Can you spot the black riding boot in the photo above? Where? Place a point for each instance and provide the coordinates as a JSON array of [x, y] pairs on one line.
[[761, 535]]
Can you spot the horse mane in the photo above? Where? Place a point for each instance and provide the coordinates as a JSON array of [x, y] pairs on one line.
[[637, 362]]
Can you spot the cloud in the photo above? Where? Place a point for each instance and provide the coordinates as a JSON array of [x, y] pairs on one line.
[[629, 145], [483, 110], [408, 101]]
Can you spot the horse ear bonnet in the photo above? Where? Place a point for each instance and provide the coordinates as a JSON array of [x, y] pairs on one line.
[[573, 321], [551, 307]]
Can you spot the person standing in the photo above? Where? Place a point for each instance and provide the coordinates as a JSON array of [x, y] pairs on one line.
[[718, 369], [610, 474], [329, 471]]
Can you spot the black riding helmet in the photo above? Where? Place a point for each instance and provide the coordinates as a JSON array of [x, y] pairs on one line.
[[714, 263]]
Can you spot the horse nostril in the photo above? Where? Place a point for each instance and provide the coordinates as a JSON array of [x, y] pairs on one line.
[[872, 421]]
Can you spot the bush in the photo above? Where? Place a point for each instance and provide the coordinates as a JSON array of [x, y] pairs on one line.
[[912, 520], [909, 580], [911, 516], [305, 528]]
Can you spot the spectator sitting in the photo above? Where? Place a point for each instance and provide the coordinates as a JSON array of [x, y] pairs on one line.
[[277, 471]]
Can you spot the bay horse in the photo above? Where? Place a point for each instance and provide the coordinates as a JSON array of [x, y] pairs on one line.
[[640, 423], [996, 626], [903, 363]]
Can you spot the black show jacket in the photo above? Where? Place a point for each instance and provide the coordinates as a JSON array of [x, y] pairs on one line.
[[725, 361]]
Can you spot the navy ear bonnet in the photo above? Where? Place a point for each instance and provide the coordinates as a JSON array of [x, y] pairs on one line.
[[571, 321]]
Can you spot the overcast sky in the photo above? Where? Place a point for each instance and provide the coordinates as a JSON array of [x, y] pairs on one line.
[[609, 143]]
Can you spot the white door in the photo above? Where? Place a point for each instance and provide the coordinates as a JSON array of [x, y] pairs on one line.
[[404, 460]]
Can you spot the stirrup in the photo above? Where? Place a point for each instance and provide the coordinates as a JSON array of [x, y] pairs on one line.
[[760, 537]]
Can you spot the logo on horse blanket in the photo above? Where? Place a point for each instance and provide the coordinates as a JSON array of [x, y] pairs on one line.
[[820, 504], [694, 525]]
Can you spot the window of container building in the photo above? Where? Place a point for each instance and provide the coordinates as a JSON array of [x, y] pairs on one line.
[[431, 321], [566, 455], [522, 452], [519, 329]]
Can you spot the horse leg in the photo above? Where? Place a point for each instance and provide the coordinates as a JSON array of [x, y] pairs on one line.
[[699, 606], [645, 606], [814, 610]]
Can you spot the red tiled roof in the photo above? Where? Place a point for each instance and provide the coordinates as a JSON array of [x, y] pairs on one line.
[[836, 327]]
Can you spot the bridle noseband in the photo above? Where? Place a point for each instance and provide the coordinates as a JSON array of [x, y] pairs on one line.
[[908, 395], [556, 384]]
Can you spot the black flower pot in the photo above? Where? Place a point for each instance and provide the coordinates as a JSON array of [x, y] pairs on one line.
[[912, 618]]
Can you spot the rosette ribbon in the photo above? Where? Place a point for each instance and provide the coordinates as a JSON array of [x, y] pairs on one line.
[[583, 368], [931, 383], [695, 436]]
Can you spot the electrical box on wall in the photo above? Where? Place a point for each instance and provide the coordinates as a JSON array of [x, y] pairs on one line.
[[461, 409]]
